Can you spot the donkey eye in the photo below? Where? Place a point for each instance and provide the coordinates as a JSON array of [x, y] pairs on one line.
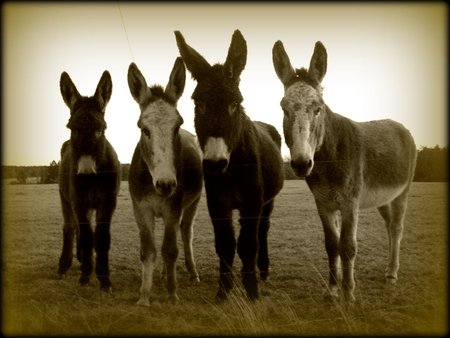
[[317, 111], [98, 133], [146, 132]]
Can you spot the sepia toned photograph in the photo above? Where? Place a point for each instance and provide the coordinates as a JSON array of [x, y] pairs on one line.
[[224, 169]]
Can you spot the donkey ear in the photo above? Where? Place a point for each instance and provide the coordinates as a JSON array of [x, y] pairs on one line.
[[282, 64], [137, 84], [69, 92], [177, 80], [237, 56], [195, 63], [318, 64], [104, 90]]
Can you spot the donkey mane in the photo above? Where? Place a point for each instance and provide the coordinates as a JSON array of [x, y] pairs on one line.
[[159, 93], [301, 74]]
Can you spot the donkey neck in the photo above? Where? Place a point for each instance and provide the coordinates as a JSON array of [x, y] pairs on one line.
[[341, 137]]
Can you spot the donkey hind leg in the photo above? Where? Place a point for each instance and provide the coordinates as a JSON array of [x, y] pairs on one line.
[[70, 228], [187, 234], [102, 244], [146, 224], [394, 214], [263, 251], [348, 250], [170, 253], [331, 223]]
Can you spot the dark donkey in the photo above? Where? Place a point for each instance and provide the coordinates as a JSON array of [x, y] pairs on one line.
[[348, 165], [242, 164], [89, 180], [165, 177]]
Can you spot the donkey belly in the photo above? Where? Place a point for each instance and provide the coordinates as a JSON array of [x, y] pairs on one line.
[[378, 196]]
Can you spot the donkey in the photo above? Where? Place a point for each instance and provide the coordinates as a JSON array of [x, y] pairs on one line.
[[165, 177], [89, 180], [242, 164], [348, 165]]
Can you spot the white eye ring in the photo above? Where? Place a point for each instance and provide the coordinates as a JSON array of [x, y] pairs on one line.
[[98, 133]]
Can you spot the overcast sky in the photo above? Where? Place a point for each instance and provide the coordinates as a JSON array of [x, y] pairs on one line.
[[384, 61]]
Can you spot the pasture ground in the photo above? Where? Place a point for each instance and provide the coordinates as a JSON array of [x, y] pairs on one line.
[[36, 302]]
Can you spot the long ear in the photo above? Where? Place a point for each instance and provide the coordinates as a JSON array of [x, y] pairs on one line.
[[237, 56], [104, 90], [177, 79], [195, 63], [137, 84], [282, 64], [318, 64], [69, 92]]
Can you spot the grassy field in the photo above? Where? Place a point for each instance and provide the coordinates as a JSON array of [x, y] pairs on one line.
[[36, 302]]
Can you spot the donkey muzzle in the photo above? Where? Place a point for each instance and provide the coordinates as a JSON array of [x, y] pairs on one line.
[[165, 188], [86, 165], [302, 167], [215, 167], [215, 156]]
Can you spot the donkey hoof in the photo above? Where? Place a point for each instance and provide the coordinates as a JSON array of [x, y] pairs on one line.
[[194, 279], [221, 296], [143, 302], [173, 299], [349, 297], [106, 289], [264, 275], [84, 280], [331, 295], [391, 280]]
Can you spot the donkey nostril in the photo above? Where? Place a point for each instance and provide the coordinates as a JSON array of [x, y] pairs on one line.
[[165, 187], [301, 168]]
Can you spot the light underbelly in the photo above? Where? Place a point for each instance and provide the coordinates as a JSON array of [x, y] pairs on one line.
[[376, 197]]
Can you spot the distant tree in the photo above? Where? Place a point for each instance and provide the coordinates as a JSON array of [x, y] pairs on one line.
[[432, 164], [50, 173], [125, 171], [21, 175]]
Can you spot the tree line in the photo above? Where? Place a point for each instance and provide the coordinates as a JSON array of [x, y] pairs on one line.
[[431, 167]]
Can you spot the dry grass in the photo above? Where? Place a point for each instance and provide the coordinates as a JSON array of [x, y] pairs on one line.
[[36, 302]]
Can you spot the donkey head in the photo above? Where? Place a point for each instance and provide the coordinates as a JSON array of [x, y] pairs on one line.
[[159, 122], [303, 106], [86, 122], [217, 101]]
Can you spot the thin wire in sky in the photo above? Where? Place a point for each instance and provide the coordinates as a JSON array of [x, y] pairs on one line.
[[126, 33]]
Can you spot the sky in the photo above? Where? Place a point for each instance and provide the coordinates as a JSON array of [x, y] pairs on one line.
[[384, 61]]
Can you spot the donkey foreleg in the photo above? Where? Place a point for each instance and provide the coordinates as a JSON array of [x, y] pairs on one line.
[[69, 230], [187, 234], [170, 254], [225, 244], [331, 226], [86, 239], [263, 253], [248, 250], [348, 250], [102, 243], [146, 223]]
